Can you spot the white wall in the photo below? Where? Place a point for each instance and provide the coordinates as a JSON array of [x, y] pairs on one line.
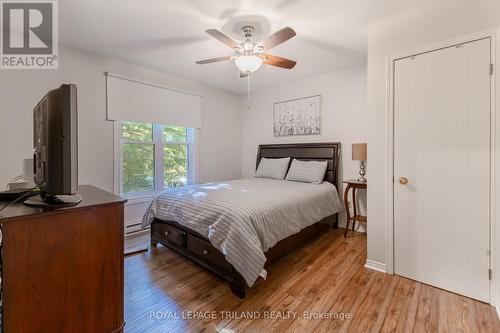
[[400, 33], [20, 90], [343, 118]]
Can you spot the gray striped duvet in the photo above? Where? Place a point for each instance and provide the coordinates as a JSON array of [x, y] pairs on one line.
[[244, 218]]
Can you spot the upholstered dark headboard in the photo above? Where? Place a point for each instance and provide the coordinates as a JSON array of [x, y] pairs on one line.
[[324, 151]]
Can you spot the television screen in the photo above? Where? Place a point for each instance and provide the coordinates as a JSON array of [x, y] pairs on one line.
[[55, 142]]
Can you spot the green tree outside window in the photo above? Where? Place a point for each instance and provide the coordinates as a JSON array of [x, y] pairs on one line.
[[140, 149]]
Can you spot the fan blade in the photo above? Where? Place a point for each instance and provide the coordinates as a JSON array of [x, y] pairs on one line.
[[244, 74], [277, 38], [209, 61], [273, 60], [220, 36]]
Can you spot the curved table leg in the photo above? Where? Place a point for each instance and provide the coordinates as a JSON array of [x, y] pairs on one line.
[[347, 212], [354, 210]]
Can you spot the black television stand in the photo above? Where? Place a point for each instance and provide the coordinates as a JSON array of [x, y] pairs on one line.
[[53, 201]]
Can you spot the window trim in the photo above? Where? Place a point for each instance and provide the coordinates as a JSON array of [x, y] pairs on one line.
[[158, 143]]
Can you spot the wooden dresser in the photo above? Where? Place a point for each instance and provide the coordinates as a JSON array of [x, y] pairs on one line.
[[62, 270]]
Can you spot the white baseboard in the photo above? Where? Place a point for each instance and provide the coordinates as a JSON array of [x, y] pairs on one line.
[[136, 233], [360, 227], [376, 266], [498, 310]]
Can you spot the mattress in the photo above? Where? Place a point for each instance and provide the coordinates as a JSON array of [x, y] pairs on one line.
[[244, 218]]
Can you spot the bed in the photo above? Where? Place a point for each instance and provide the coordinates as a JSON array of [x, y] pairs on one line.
[[237, 228]]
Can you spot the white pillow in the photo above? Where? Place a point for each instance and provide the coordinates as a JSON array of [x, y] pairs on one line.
[[307, 171], [274, 168]]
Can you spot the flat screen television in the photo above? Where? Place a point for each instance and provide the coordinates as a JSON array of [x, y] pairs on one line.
[[55, 143]]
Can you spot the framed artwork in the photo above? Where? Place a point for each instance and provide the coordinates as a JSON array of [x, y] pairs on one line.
[[297, 117]]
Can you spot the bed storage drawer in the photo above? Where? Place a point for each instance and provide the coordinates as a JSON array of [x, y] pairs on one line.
[[170, 234], [205, 249]]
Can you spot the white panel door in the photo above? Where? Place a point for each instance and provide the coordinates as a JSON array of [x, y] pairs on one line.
[[442, 147]]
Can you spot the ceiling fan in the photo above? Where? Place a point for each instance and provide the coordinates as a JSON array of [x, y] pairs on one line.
[[251, 55]]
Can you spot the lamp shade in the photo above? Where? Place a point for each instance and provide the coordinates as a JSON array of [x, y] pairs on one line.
[[248, 63], [359, 151]]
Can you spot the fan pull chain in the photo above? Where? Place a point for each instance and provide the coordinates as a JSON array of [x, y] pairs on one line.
[[248, 91]]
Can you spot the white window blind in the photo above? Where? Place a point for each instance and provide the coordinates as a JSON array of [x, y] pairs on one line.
[[133, 100]]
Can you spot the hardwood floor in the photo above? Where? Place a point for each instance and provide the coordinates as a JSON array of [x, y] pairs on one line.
[[325, 277]]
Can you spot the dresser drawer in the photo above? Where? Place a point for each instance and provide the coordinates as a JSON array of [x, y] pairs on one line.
[[170, 234], [205, 250]]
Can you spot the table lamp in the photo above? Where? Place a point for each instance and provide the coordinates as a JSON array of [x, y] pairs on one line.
[[359, 154]]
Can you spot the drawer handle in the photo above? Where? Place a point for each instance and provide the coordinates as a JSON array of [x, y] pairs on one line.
[[166, 233], [205, 252]]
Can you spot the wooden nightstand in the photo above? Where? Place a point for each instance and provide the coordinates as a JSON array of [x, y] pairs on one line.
[[354, 184]]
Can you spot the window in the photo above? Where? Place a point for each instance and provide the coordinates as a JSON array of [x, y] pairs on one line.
[[154, 157]]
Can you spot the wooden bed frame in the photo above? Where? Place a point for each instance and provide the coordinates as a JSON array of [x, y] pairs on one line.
[[198, 248]]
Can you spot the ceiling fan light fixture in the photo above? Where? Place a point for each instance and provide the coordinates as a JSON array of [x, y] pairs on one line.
[[248, 63], [248, 45]]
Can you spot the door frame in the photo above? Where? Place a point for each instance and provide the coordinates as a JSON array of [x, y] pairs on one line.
[[494, 145]]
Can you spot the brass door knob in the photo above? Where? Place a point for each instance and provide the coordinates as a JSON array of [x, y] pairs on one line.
[[403, 180]]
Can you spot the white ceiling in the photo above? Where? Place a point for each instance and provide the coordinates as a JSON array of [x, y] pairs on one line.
[[168, 35]]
